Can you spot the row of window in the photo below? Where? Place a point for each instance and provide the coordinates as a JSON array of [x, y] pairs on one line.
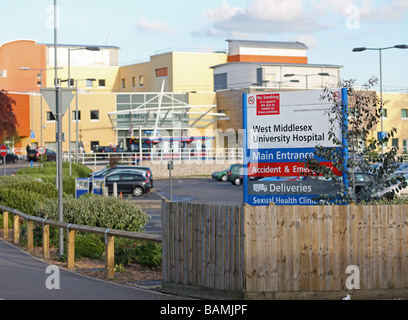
[[139, 81], [404, 113], [88, 82], [134, 82], [94, 115]]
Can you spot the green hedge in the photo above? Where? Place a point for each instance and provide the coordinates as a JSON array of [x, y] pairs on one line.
[[97, 211], [146, 254], [48, 172]]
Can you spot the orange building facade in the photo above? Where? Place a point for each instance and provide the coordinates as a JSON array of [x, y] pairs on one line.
[[15, 55]]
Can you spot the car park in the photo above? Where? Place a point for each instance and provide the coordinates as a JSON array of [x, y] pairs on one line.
[[128, 183], [220, 175], [10, 157], [33, 155]]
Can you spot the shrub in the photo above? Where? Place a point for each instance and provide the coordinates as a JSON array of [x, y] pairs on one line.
[[149, 255], [23, 193], [48, 172], [146, 254], [89, 246], [125, 251], [97, 211]]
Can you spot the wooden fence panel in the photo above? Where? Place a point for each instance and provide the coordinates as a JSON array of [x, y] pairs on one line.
[[270, 249]]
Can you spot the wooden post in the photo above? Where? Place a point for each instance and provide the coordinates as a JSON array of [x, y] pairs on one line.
[[16, 229], [109, 256], [6, 224], [46, 241], [71, 249], [30, 235]]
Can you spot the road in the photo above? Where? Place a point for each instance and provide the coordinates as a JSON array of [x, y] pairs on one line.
[[23, 277]]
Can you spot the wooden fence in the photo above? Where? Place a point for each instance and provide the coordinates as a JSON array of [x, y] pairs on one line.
[[284, 252], [71, 229]]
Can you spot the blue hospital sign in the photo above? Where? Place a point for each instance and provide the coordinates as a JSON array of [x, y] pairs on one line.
[[282, 130]]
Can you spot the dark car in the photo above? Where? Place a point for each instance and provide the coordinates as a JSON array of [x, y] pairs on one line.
[[10, 157], [145, 171], [234, 173], [128, 182], [33, 155]]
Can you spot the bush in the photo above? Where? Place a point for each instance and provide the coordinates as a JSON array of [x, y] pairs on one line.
[[48, 173], [97, 211], [149, 255], [89, 246], [23, 193], [146, 254], [125, 251]]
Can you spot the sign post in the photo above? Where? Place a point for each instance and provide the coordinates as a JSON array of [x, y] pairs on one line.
[[282, 130], [3, 153]]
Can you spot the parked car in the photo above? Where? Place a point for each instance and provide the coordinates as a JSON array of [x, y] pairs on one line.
[[128, 182], [146, 171], [10, 157], [220, 175], [234, 173], [394, 189], [33, 155]]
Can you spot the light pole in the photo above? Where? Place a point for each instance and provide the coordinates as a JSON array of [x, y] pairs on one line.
[[360, 49], [322, 74], [89, 48], [76, 115]]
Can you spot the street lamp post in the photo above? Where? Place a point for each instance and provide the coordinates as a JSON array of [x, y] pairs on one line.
[[89, 48], [322, 74], [360, 49]]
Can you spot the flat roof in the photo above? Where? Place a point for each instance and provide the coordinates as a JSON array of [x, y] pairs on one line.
[[80, 45], [280, 64], [270, 44]]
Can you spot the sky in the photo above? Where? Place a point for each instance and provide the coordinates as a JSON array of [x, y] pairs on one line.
[[330, 29]]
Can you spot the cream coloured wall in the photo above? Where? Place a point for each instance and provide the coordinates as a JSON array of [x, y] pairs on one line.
[[192, 70], [393, 103], [140, 72], [89, 130], [109, 74]]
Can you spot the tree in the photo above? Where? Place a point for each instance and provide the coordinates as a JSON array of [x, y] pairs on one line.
[[8, 121], [362, 116]]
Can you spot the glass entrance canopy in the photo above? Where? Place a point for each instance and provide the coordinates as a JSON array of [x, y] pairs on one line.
[[155, 111]]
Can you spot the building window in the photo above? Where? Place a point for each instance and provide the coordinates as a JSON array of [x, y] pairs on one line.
[[141, 81], [384, 113], [74, 115], [404, 113], [161, 72], [50, 116], [94, 115], [134, 82], [88, 83], [404, 146], [123, 84], [102, 83]]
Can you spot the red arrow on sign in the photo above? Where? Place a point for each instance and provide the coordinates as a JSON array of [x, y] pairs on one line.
[[3, 150]]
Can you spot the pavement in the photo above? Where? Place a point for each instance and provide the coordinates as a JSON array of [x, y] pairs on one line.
[[24, 277]]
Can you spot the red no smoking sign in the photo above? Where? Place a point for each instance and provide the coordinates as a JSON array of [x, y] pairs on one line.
[[267, 104]]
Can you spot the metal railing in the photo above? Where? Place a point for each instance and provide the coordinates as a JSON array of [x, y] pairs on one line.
[[216, 155]]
